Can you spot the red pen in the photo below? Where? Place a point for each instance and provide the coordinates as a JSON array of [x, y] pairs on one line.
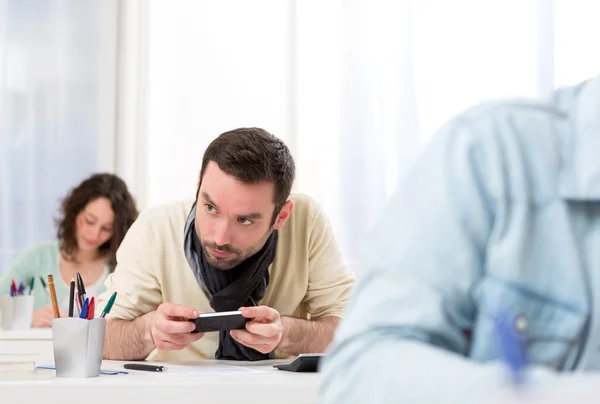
[[91, 308], [14, 286]]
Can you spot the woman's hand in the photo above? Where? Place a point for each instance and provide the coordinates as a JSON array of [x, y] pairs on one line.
[[42, 318]]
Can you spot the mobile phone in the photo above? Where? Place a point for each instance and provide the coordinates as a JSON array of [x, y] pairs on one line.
[[219, 321]]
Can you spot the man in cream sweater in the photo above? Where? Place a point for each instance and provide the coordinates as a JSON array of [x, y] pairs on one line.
[[245, 242]]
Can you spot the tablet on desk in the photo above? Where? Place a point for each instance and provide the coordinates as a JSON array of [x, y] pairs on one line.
[[302, 363], [219, 321]]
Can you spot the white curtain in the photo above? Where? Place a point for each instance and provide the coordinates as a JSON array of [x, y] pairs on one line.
[[408, 66], [356, 88], [57, 90]]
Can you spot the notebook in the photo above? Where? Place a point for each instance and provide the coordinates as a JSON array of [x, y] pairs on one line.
[[17, 360]]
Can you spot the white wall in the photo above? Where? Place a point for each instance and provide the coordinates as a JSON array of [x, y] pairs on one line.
[[237, 77], [242, 62], [355, 88], [283, 65]]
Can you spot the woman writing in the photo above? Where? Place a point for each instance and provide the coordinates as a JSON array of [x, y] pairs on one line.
[[94, 219]]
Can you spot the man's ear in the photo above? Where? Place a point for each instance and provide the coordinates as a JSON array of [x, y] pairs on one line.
[[283, 215]]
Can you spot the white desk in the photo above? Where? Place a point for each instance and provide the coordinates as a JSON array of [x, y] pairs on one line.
[[580, 388], [36, 340], [268, 386]]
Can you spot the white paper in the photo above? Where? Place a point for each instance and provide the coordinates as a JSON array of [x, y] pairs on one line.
[[208, 370]]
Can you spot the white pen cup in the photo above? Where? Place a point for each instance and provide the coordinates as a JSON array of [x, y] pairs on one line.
[[16, 312], [78, 346]]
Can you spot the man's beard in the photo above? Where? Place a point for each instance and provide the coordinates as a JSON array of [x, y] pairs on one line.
[[224, 264], [239, 256]]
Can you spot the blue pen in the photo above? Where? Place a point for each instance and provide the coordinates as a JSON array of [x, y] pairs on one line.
[[511, 346], [12, 292], [21, 287], [84, 309]]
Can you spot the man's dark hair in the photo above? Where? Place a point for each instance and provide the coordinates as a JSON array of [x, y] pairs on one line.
[[253, 155]]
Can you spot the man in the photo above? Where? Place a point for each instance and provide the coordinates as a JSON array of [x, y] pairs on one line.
[[497, 223], [244, 243]]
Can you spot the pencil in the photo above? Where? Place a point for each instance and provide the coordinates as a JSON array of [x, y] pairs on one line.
[[53, 296]]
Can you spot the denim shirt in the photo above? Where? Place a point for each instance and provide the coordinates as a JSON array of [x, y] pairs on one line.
[[501, 211]]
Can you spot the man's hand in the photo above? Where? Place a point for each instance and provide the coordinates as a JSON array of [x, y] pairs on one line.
[[42, 318], [264, 332], [170, 328]]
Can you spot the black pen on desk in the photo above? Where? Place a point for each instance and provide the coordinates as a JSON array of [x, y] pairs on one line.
[[147, 368]]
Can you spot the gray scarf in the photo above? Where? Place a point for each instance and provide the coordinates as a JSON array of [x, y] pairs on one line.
[[230, 289]]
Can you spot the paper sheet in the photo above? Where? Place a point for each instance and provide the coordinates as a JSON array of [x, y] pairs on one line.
[[209, 370]]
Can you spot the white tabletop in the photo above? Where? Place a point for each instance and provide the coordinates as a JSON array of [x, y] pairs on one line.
[[32, 334], [206, 382]]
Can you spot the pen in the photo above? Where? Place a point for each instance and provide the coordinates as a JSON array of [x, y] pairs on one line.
[[14, 288], [53, 296], [148, 368], [109, 305], [91, 308], [71, 297], [21, 288], [78, 302], [31, 285], [80, 288], [84, 309], [511, 346], [44, 286]]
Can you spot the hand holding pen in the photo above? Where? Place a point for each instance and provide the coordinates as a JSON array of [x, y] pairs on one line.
[[42, 318]]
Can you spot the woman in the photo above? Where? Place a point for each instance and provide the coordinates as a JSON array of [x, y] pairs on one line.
[[95, 217]]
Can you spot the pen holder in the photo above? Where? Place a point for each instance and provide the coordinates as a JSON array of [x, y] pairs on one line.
[[78, 346], [16, 312]]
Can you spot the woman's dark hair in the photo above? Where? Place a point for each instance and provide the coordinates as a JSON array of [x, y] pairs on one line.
[[107, 186]]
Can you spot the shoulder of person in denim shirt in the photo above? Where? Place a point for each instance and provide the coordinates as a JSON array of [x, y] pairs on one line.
[[497, 214]]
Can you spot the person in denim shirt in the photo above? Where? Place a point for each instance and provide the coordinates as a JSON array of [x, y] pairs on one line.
[[500, 213]]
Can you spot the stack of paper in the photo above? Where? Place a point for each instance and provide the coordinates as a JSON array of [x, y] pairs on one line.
[[15, 360]]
